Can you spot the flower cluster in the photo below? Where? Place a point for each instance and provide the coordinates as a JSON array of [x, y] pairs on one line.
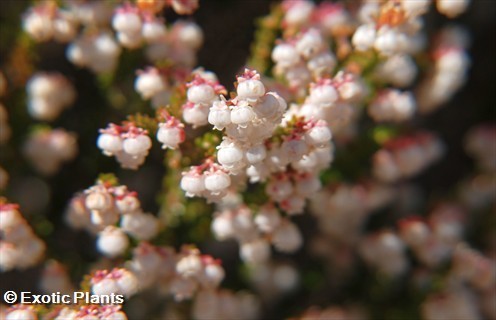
[[342, 210], [101, 207], [203, 91], [170, 132], [128, 143], [48, 95], [135, 24], [348, 85], [333, 100], [117, 281], [20, 248], [209, 180], [406, 156], [48, 149], [255, 233], [392, 105], [303, 58]]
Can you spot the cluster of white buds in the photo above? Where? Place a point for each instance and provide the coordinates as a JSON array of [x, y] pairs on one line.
[[46, 21], [391, 105], [225, 305], [150, 83], [390, 28], [48, 149], [140, 23], [433, 241], [152, 265], [195, 272], [5, 130], [255, 232], [97, 51], [449, 73], [208, 180], [329, 17], [385, 251], [203, 92], [20, 248], [406, 156], [55, 278], [48, 95], [398, 70], [342, 211], [303, 58], [91, 311], [170, 132], [128, 143], [101, 207], [290, 189], [179, 45], [477, 142], [117, 281], [333, 100]]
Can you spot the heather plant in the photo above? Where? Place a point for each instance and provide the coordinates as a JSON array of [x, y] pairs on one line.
[[289, 188]]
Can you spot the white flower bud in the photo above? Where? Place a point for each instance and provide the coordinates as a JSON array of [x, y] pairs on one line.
[[127, 283], [294, 149], [268, 219], [285, 55], [153, 31], [196, 115], [287, 237], [217, 181], [137, 145], [109, 143], [256, 251], [112, 242], [222, 227], [189, 266], [364, 37], [213, 275], [129, 40], [452, 8], [142, 226], [193, 184], [323, 95], [149, 83], [310, 43], [170, 137], [202, 94], [242, 114], [318, 136], [250, 90], [256, 153], [230, 156], [127, 22], [106, 286], [219, 115]]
